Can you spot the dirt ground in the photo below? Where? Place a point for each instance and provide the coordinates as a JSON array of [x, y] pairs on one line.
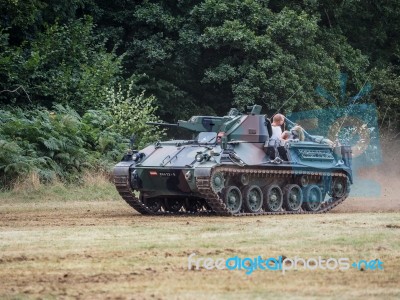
[[85, 243], [102, 249], [385, 199], [376, 188]]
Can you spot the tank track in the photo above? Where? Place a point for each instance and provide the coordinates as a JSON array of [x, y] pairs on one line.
[[215, 201], [124, 189]]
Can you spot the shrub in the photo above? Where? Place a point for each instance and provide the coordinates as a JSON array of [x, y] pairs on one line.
[[60, 144], [55, 144], [130, 114]]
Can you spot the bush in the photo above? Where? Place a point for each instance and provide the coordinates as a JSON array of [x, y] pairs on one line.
[[60, 144], [55, 144], [130, 114]]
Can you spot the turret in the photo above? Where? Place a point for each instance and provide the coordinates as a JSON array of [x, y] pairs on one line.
[[212, 123]]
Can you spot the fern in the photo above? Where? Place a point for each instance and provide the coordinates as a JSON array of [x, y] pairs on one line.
[[56, 144], [51, 143]]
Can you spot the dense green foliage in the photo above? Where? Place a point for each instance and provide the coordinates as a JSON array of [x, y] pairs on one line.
[[55, 143], [61, 144], [173, 59], [63, 64], [199, 56]]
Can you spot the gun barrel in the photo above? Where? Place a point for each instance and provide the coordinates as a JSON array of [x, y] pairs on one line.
[[162, 124]]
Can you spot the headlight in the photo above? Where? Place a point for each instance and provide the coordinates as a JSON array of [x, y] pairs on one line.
[[199, 157], [202, 156], [137, 156]]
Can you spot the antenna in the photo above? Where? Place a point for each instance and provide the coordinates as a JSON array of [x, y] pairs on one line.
[[355, 98], [285, 102]]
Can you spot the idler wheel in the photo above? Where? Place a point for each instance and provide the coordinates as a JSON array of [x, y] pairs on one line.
[[312, 198], [233, 199], [173, 204], [340, 187], [252, 198], [273, 198], [292, 197]]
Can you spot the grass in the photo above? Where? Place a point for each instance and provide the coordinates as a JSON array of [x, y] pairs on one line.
[[83, 241], [29, 189]]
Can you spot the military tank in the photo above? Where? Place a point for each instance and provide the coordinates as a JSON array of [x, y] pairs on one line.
[[233, 168]]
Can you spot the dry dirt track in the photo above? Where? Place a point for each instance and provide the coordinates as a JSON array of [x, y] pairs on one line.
[[104, 250]]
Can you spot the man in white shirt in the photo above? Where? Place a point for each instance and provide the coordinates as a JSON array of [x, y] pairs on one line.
[[277, 123]]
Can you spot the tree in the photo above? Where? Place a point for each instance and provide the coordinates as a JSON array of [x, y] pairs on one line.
[[65, 64], [267, 57]]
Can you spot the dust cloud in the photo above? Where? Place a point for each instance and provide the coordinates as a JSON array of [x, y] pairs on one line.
[[384, 178]]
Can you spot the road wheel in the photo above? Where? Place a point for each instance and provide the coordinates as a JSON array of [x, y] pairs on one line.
[[252, 198], [193, 205], [273, 198], [312, 198], [292, 197], [173, 204], [154, 204], [233, 199], [217, 182]]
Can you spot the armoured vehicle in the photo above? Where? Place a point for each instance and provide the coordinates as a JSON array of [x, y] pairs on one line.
[[232, 167]]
